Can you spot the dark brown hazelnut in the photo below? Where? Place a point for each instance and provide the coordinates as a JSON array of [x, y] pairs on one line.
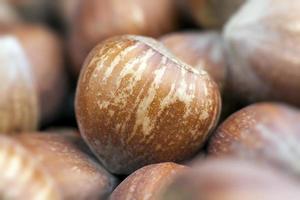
[[45, 53], [136, 104], [265, 131], [147, 182], [98, 20], [213, 13], [18, 98], [50, 166], [230, 179], [262, 41], [201, 50]]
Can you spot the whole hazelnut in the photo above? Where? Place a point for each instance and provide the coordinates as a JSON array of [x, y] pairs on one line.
[[50, 166], [97, 20], [230, 179], [147, 182], [213, 13], [45, 53], [262, 41], [136, 104], [18, 102], [201, 50], [265, 131]]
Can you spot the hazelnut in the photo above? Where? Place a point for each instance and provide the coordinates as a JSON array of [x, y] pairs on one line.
[[45, 53], [136, 104], [265, 131], [213, 13], [66, 10], [229, 179], [262, 42], [18, 102], [147, 182], [50, 166], [97, 20], [201, 50]]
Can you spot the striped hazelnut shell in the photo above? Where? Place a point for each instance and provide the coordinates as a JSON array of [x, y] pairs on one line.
[[18, 102], [231, 179], [201, 50], [44, 51], [136, 104], [147, 182], [213, 13], [98, 20], [262, 42], [51, 166], [269, 132]]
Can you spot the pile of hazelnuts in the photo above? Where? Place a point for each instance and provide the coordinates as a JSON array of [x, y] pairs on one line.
[[150, 99]]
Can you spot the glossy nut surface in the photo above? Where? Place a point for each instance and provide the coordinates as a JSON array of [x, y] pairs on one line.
[[201, 50], [262, 42], [230, 179], [50, 166], [44, 51], [97, 20], [137, 105], [147, 182], [266, 131], [18, 98]]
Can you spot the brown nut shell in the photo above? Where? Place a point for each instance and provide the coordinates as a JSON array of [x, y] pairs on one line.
[[137, 105], [147, 182], [18, 102], [52, 165], [97, 20], [201, 50], [262, 42], [45, 53], [213, 13], [266, 131], [230, 179]]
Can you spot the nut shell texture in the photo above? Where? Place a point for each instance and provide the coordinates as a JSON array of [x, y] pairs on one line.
[[230, 179], [147, 182], [138, 105], [266, 131], [200, 50], [262, 42], [18, 102]]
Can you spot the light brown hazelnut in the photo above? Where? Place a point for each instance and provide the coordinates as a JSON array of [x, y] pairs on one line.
[[230, 179], [201, 50], [98, 20], [268, 132], [147, 182], [18, 102], [50, 166], [45, 54], [213, 13], [262, 41], [136, 104]]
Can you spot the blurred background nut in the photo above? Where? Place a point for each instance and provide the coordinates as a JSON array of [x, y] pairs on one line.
[[266, 131], [213, 13], [230, 179], [97, 20], [139, 103], [263, 45], [50, 166], [201, 50], [45, 54], [147, 182], [18, 102], [7, 14]]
